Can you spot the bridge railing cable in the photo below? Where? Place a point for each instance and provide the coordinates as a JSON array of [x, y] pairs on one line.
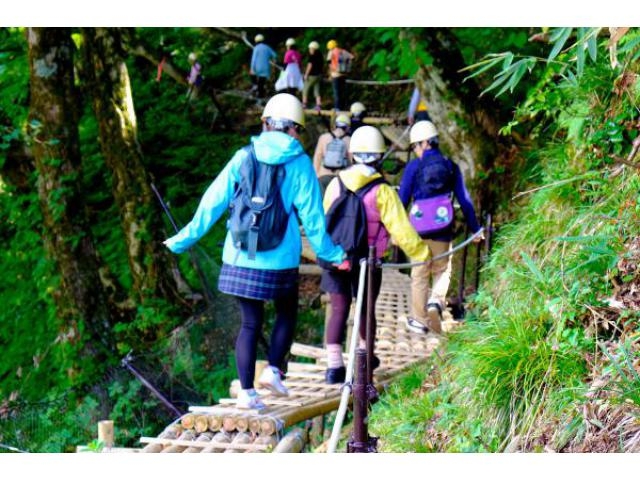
[[437, 257]]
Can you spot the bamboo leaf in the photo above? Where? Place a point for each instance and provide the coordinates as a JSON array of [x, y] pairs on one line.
[[532, 266], [507, 60], [489, 64], [501, 78], [592, 45], [580, 57], [517, 76], [563, 36]]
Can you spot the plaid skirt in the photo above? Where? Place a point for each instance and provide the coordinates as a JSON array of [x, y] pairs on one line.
[[257, 284]]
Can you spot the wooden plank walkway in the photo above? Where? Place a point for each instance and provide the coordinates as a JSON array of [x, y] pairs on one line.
[[224, 428]]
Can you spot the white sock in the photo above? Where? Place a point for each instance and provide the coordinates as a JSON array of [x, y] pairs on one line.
[[334, 355], [251, 392]]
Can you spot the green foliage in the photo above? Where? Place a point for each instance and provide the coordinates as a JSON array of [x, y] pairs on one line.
[[625, 382]]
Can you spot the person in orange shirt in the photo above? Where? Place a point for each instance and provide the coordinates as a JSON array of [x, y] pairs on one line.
[[339, 61]]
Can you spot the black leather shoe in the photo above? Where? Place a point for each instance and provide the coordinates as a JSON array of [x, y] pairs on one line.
[[335, 375]]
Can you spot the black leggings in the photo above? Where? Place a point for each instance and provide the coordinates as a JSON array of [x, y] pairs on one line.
[[252, 317]]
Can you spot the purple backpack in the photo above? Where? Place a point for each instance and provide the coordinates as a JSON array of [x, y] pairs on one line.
[[430, 215]]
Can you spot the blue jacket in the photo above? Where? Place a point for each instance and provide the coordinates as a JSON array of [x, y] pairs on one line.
[[262, 55], [300, 192], [433, 175]]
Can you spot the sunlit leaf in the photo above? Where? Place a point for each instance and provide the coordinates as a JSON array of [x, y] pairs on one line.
[[592, 46], [562, 37]]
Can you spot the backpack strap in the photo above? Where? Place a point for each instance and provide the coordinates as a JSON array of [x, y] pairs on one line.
[[252, 236], [362, 191]]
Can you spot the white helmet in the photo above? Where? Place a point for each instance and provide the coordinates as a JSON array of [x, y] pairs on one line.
[[422, 130], [259, 38], [343, 120], [290, 42], [366, 139], [314, 45], [284, 106], [357, 108], [192, 57]]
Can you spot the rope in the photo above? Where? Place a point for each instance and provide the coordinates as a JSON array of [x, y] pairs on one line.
[[347, 387], [393, 147], [437, 257], [388, 82]]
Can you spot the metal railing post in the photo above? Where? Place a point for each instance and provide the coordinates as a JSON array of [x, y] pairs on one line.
[[359, 442]]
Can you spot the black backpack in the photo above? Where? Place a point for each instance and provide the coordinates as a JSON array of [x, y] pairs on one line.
[[335, 157], [257, 217], [346, 222]]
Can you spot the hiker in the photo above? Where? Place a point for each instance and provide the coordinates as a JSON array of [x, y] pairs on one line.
[[291, 81], [358, 112], [273, 273], [418, 109], [313, 75], [385, 218], [260, 67], [429, 181], [195, 77], [332, 152], [339, 61]]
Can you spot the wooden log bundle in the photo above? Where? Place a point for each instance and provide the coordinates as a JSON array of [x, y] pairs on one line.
[[223, 427]]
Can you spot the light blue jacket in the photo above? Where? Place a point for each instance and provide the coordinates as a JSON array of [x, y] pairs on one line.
[[300, 192], [262, 55]]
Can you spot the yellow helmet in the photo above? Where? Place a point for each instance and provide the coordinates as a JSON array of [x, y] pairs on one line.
[[422, 130], [314, 45], [331, 44], [357, 108], [284, 106], [290, 42], [259, 38], [343, 120], [367, 139]]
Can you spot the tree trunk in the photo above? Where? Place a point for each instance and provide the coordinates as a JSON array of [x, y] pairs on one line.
[[54, 136], [141, 217]]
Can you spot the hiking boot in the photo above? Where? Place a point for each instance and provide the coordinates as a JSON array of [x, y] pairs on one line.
[[335, 375], [415, 326], [247, 401], [272, 381], [434, 313]]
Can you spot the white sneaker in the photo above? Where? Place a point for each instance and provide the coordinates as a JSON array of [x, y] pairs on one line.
[[415, 326], [248, 401], [272, 382]]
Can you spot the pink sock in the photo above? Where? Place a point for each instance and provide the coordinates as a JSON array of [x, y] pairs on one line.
[[334, 355]]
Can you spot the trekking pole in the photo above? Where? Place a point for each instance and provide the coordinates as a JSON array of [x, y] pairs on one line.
[[203, 280]]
